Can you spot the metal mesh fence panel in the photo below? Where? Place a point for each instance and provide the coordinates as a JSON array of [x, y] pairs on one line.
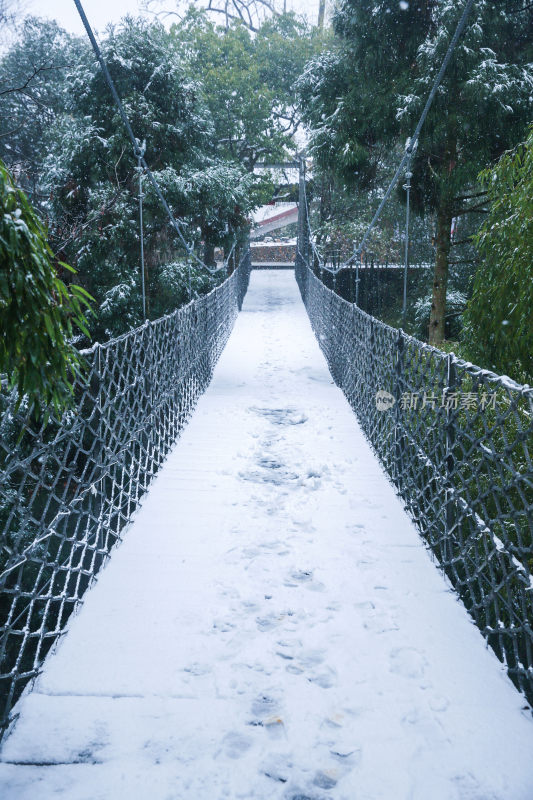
[[457, 442], [68, 488]]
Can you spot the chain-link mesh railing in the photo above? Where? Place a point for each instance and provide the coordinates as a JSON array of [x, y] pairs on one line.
[[68, 488], [377, 286], [457, 441]]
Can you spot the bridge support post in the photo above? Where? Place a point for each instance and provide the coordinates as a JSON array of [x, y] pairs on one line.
[[450, 509], [357, 277], [303, 222], [407, 187], [399, 439], [140, 170], [97, 493]]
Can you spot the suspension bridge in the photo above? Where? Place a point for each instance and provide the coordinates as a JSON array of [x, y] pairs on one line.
[[259, 557], [271, 624]]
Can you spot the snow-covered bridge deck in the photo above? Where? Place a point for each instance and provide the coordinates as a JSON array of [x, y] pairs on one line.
[[272, 626]]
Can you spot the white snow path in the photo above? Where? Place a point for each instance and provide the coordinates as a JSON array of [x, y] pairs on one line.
[[272, 626]]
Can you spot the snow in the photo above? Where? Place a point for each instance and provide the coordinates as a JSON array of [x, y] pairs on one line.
[[264, 213], [278, 243], [271, 627]]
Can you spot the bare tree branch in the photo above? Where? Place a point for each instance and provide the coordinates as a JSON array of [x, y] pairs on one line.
[[77, 226], [250, 12], [36, 71]]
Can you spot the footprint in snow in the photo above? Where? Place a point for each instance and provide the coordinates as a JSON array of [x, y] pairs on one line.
[[335, 720], [278, 477], [277, 768], [381, 623], [365, 563], [347, 756], [325, 679], [267, 623], [289, 648], [326, 779], [469, 789], [305, 663], [365, 605], [377, 620], [302, 662], [316, 586], [281, 416], [223, 626], [272, 620], [295, 669], [269, 441], [273, 545], [439, 703], [197, 669], [298, 577], [407, 662], [311, 658], [236, 744], [249, 607], [264, 706], [303, 578], [356, 527], [251, 552], [269, 463]]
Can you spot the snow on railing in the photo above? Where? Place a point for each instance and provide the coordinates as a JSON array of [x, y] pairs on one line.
[[457, 442], [68, 488]]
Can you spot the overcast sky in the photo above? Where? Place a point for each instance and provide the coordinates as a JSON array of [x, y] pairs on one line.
[[100, 12]]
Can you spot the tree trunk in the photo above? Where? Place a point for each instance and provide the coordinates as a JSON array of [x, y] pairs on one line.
[[321, 13], [146, 285], [209, 255], [440, 276]]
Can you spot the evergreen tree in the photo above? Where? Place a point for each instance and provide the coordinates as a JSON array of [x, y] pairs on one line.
[[498, 329], [209, 103], [34, 90], [349, 91], [63, 138], [369, 90], [482, 109], [248, 82], [90, 177]]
